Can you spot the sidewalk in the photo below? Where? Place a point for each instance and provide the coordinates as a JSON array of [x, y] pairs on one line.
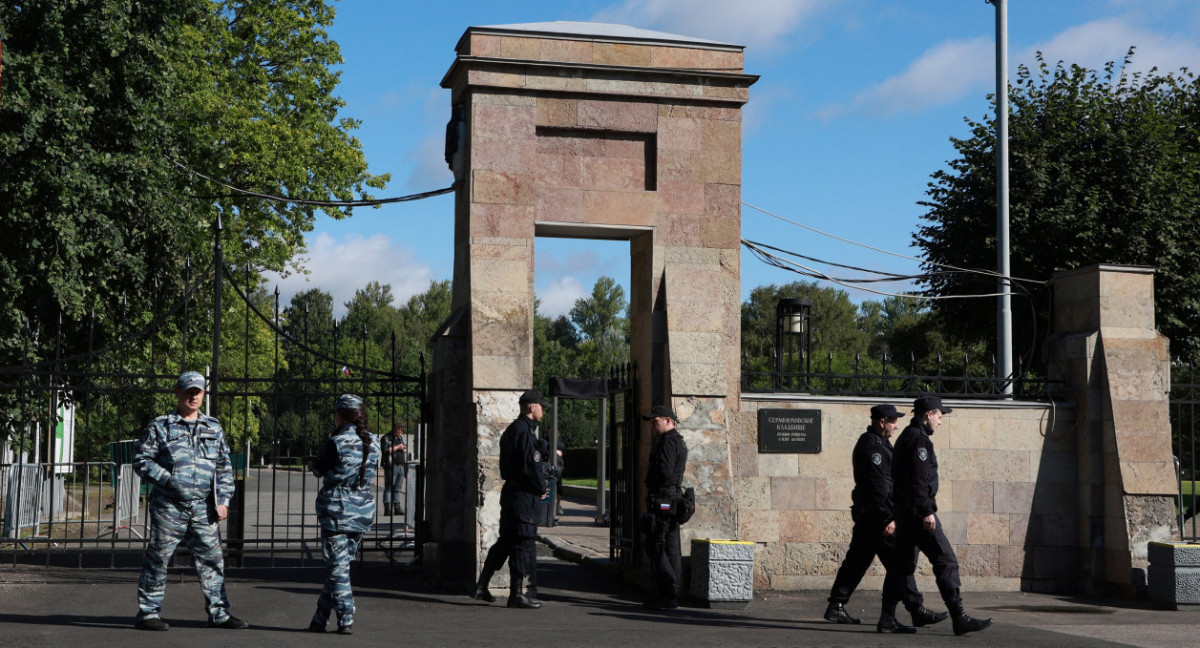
[[583, 607]]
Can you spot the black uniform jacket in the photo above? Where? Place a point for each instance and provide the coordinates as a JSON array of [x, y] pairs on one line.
[[519, 458], [668, 458], [915, 472], [872, 459]]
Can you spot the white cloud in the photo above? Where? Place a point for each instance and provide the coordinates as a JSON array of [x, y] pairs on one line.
[[942, 75], [1095, 43], [342, 267], [559, 297], [956, 69], [757, 23]]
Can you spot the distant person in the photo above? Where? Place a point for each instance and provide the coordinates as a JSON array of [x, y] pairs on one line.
[[915, 476], [185, 455], [874, 526], [347, 462], [524, 486], [664, 483], [395, 468]]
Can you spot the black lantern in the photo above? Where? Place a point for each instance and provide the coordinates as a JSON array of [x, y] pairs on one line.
[[793, 343]]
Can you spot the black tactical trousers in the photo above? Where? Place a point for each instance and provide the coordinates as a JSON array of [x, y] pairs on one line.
[[911, 538], [518, 536], [662, 548], [866, 543]]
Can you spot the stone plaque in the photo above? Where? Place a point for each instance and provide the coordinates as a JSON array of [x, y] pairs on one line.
[[789, 430]]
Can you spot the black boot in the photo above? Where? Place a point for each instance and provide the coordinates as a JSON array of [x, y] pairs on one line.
[[922, 616], [481, 592], [517, 598], [889, 625], [836, 612], [963, 623]]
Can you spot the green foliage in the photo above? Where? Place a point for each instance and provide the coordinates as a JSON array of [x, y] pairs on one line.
[[849, 341], [1104, 168], [587, 345]]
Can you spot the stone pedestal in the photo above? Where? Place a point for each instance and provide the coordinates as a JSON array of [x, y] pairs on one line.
[[1174, 575], [723, 573]]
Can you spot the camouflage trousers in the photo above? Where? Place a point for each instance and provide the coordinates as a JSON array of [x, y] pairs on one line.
[[171, 522], [339, 549]]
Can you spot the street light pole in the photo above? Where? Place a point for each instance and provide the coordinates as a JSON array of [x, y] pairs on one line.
[[1003, 284]]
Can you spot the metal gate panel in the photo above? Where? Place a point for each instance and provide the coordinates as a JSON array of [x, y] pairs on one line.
[[624, 539]]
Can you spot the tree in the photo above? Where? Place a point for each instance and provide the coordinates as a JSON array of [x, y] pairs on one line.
[[102, 100], [601, 320], [834, 323], [1105, 168]]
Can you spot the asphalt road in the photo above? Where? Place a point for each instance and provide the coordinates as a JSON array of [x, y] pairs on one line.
[[583, 607]]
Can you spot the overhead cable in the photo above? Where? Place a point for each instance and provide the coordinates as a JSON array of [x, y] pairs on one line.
[[792, 266], [990, 273], [319, 203]]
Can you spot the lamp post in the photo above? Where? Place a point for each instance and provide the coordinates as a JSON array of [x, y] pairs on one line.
[[793, 341], [1004, 330]]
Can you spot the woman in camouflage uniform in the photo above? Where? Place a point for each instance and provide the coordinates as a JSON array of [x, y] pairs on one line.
[[348, 462]]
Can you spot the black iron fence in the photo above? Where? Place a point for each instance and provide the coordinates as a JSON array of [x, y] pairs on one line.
[[1185, 408], [69, 411], [885, 377]]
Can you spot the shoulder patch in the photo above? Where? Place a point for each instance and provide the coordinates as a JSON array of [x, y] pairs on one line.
[[876, 458], [922, 454]]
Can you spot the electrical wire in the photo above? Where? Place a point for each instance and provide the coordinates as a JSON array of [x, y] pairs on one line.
[[316, 203], [991, 273], [792, 266]]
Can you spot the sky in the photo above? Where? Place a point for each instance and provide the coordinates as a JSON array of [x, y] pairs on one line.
[[853, 113]]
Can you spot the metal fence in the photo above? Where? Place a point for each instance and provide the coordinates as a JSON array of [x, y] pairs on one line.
[[90, 398], [885, 377], [1185, 407]]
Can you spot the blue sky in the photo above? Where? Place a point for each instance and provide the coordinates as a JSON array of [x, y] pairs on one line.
[[854, 111]]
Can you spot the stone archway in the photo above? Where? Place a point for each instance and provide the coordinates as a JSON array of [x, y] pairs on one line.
[[588, 131]]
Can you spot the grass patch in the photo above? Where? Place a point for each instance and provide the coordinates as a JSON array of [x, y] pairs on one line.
[[586, 482]]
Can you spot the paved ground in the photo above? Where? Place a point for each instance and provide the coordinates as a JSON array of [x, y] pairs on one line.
[[584, 606]]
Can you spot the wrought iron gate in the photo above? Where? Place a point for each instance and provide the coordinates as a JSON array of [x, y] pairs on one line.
[[624, 418], [1185, 408], [75, 501]]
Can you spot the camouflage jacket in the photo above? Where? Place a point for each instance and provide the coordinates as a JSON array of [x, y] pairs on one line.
[[344, 503], [185, 460]]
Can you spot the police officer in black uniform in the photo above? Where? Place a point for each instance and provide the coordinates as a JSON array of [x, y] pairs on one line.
[[524, 486], [874, 525], [664, 477], [915, 473]]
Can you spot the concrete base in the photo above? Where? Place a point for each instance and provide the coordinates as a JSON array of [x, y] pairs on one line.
[[722, 573], [1174, 575]]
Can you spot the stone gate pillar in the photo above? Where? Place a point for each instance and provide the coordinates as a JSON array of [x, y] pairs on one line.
[[588, 130], [1116, 367]]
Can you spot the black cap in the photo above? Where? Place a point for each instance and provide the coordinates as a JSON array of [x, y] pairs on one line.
[[533, 396], [928, 404], [659, 410], [885, 411]]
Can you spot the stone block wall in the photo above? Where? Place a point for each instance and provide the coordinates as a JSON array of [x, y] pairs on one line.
[[1007, 496], [623, 135], [1115, 366]]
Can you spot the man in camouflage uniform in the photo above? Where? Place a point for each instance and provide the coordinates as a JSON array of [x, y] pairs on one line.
[[347, 462], [185, 455]]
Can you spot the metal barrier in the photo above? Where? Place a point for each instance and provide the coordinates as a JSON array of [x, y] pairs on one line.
[[22, 500], [126, 504]]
